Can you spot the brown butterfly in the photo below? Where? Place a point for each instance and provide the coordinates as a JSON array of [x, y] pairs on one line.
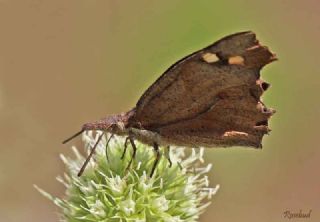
[[210, 98]]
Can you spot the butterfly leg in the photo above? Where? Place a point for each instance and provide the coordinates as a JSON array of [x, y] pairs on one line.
[[90, 155], [108, 145], [168, 157], [179, 165], [125, 147], [156, 149], [134, 152]]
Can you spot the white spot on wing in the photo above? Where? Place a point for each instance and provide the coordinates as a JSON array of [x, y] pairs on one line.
[[236, 60], [210, 57]]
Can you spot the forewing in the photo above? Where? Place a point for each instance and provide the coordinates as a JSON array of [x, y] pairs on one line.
[[205, 86]]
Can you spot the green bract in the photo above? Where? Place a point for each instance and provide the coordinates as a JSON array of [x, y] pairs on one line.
[[107, 192]]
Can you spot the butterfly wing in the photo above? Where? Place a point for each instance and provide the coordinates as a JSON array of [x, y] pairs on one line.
[[202, 88], [236, 118]]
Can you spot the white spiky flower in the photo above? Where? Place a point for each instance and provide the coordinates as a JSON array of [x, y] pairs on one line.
[[107, 192]]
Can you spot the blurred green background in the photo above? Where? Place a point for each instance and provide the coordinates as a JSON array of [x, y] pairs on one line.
[[63, 63]]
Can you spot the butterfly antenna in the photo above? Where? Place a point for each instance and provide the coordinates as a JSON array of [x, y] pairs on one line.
[[90, 155], [70, 138]]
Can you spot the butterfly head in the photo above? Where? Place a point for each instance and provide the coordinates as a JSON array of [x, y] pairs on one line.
[[115, 124]]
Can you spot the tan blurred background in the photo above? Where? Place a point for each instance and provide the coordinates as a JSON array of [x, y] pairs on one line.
[[63, 63]]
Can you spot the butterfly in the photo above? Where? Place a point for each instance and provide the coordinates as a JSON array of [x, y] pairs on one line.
[[210, 98]]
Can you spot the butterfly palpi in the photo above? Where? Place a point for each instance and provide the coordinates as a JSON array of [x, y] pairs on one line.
[[210, 98]]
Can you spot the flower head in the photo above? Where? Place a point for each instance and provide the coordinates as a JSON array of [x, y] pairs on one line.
[[108, 192]]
